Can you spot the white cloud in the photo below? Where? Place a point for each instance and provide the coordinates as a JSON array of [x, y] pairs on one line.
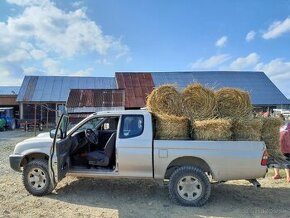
[[43, 38], [77, 4], [52, 66], [31, 71], [250, 36], [66, 33], [221, 42], [279, 72], [28, 2], [86, 72], [276, 68], [245, 62], [277, 29], [8, 78], [38, 54], [211, 62], [103, 61], [17, 55]]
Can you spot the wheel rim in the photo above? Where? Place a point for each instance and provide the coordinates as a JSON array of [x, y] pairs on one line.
[[37, 178], [189, 188]]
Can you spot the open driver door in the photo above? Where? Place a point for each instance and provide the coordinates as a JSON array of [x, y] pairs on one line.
[[59, 160]]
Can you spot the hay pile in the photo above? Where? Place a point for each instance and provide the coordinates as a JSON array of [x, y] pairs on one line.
[[198, 102], [247, 129], [271, 132], [221, 115], [171, 127], [233, 103], [213, 129], [164, 100]]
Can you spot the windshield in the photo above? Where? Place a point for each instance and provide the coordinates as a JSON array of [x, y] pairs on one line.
[[91, 124]]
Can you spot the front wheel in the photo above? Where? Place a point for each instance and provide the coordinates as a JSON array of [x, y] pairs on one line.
[[189, 186], [36, 178]]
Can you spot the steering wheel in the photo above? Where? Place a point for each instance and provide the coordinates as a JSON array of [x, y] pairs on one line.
[[91, 136]]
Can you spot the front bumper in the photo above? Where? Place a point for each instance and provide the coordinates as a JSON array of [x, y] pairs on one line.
[[15, 161]]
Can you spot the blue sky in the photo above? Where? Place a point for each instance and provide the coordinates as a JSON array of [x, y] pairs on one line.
[[98, 38]]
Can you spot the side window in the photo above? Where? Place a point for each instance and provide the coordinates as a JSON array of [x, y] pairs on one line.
[[131, 126]]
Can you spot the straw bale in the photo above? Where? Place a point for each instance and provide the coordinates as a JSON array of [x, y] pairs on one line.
[[247, 129], [171, 127], [198, 102], [233, 103], [164, 100], [271, 132], [213, 129]]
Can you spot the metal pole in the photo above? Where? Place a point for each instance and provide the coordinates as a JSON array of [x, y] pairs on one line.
[[21, 110], [47, 111], [35, 119]]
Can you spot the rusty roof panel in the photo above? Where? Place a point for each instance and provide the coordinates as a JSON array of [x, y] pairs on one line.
[[96, 98], [138, 91], [137, 86]]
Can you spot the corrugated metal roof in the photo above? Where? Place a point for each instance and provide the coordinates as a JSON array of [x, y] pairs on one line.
[[96, 98], [137, 86], [9, 90], [56, 88], [261, 88]]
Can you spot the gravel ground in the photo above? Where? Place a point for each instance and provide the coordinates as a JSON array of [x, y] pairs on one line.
[[132, 198]]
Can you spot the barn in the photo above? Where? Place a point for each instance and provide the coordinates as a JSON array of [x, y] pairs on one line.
[[46, 96], [8, 95]]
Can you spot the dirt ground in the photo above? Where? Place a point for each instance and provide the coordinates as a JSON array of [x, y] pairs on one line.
[[126, 198]]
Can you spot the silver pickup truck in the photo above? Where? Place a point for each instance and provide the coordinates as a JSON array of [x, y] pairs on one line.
[[122, 145]]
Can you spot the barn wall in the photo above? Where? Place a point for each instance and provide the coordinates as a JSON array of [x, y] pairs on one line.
[[41, 112], [8, 100]]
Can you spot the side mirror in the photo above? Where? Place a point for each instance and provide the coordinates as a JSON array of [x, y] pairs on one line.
[[53, 132]]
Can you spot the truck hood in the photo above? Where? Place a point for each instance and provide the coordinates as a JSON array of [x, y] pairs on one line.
[[39, 138], [39, 144], [45, 135]]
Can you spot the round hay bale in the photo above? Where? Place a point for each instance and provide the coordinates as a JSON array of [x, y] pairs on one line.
[[212, 130], [164, 100], [171, 127], [198, 102], [247, 129], [233, 103], [271, 132]]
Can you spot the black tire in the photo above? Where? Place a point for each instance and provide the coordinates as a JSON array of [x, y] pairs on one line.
[[44, 185], [193, 178]]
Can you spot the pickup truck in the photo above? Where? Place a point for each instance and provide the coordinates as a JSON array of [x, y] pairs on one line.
[[121, 144]]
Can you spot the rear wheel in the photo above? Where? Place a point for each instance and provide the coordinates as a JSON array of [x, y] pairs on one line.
[[36, 178], [189, 186]]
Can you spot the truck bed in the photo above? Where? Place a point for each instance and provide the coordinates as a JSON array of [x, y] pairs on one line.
[[228, 160]]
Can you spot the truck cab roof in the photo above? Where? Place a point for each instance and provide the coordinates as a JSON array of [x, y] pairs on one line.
[[120, 112]]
